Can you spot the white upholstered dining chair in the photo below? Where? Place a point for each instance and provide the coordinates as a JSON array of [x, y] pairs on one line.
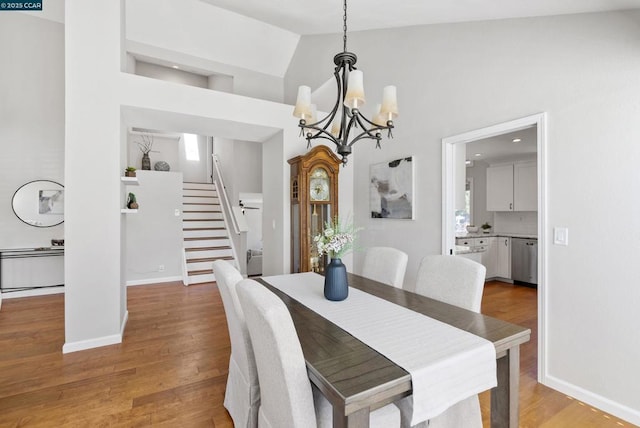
[[242, 394], [288, 399], [460, 282], [386, 265], [452, 279]]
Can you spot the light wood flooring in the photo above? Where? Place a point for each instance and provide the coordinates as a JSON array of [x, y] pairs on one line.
[[171, 369]]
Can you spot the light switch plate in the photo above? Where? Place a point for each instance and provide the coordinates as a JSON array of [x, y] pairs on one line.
[[561, 236]]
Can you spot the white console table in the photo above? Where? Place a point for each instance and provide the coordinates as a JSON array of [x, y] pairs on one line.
[[25, 253]]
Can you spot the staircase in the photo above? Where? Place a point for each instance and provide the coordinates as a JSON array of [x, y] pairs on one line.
[[206, 238]]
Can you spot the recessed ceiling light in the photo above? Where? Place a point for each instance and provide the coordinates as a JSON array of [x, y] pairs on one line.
[[175, 66], [478, 154], [517, 140], [467, 162]]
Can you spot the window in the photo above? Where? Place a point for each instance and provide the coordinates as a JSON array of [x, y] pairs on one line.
[[463, 217], [191, 147]]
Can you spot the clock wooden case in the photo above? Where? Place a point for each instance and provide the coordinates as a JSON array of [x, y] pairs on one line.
[[314, 200]]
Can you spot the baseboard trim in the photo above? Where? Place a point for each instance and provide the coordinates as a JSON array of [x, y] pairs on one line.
[[34, 292], [123, 324], [82, 345], [616, 409], [154, 280]]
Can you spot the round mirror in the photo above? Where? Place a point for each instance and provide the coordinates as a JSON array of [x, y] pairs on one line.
[[39, 203]]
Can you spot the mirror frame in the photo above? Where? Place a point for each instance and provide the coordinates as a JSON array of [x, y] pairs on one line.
[[56, 219]]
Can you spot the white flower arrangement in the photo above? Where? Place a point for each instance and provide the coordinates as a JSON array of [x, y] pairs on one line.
[[336, 239]]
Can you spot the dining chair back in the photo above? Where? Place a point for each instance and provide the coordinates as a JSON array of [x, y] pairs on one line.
[[452, 279], [242, 394], [460, 282], [288, 398], [386, 265]]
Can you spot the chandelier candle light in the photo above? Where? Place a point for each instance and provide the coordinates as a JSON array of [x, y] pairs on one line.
[[346, 116]]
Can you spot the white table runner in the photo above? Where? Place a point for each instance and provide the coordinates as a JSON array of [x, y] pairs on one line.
[[449, 366]]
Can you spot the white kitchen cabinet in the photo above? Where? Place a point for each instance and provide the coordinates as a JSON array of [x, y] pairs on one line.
[[471, 256], [525, 186], [503, 263], [500, 188], [512, 187], [484, 251], [490, 256]]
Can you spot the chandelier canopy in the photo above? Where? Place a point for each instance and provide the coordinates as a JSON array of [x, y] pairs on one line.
[[345, 124]]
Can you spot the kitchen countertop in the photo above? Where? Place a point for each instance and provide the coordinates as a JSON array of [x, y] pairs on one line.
[[465, 249], [496, 234]]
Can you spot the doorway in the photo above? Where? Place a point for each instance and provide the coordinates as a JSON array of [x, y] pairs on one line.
[[454, 173]]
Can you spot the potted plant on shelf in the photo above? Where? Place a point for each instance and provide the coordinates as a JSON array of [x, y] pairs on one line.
[[130, 172], [132, 204], [486, 228]]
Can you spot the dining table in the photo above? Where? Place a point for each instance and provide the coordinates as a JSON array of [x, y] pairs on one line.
[[356, 379]]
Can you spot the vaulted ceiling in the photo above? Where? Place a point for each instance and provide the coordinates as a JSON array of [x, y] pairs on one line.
[[319, 17]]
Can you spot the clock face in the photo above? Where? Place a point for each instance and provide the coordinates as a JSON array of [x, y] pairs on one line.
[[319, 189]]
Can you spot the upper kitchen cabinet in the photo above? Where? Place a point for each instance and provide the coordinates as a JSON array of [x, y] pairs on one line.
[[512, 187], [525, 186]]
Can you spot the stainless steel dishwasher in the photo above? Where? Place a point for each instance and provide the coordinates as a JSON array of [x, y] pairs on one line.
[[524, 260]]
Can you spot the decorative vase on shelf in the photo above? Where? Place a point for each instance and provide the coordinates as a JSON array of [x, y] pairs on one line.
[[146, 162], [336, 287]]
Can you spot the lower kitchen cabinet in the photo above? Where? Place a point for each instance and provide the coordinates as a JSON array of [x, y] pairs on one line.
[[503, 265], [490, 256]]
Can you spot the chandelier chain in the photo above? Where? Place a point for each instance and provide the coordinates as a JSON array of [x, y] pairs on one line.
[[344, 26]]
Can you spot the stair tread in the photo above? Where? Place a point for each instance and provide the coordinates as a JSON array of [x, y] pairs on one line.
[[203, 228], [226, 247], [205, 271], [198, 203], [202, 219], [206, 238], [209, 203], [209, 259]]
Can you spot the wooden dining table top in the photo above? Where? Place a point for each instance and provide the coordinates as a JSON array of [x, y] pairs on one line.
[[347, 370]]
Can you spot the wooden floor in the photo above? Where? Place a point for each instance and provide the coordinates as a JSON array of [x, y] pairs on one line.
[[171, 368]]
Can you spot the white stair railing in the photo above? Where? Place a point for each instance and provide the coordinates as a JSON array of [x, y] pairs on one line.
[[232, 216]]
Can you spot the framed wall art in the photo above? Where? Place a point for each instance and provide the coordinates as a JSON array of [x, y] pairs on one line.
[[391, 189]]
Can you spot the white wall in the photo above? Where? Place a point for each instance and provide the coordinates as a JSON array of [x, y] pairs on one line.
[[170, 74], [202, 30], [582, 70], [154, 233], [241, 165], [523, 222], [31, 119], [248, 177], [95, 306], [212, 40], [192, 170]]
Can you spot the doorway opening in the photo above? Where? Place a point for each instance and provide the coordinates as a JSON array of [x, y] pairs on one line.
[[454, 178]]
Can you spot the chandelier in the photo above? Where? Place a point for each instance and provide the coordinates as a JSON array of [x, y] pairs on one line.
[[345, 124]]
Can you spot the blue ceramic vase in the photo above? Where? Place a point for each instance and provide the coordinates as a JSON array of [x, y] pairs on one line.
[[336, 287]]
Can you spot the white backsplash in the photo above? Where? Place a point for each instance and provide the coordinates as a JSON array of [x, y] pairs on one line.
[[521, 223]]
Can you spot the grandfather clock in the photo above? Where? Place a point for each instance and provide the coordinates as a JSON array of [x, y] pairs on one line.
[[314, 200]]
